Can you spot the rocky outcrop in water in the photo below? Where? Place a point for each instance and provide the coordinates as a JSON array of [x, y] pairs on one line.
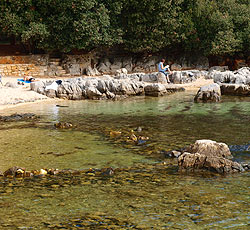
[[208, 93], [208, 155]]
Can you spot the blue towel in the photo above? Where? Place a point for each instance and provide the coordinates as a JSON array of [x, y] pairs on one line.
[[23, 81]]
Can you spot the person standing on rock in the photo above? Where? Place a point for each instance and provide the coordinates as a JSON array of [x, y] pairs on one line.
[[164, 69]]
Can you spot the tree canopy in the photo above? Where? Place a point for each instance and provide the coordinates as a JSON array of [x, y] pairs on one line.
[[213, 27]]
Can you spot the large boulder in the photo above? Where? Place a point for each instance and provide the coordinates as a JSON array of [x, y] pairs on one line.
[[208, 155], [93, 93], [104, 68], [161, 78], [155, 90], [92, 71], [208, 93], [152, 77], [181, 77], [210, 148], [194, 161], [38, 86]]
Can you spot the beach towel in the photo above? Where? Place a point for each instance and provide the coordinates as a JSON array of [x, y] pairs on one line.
[[21, 80]]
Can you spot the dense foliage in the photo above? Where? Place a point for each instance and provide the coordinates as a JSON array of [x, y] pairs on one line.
[[213, 27]]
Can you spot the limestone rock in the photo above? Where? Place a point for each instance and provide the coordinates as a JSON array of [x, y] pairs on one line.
[[218, 68], [92, 71], [175, 67], [122, 71], [211, 163], [38, 86], [155, 90], [241, 76], [209, 155], [50, 93], [161, 78], [181, 77], [102, 68], [210, 148], [208, 93], [93, 93]]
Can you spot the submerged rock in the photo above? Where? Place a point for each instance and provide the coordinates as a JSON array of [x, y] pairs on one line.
[[63, 125], [14, 172], [18, 117]]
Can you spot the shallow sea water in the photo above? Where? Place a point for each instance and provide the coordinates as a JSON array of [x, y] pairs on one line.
[[146, 191]]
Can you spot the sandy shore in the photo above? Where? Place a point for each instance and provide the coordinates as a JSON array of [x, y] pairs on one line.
[[196, 84], [12, 97]]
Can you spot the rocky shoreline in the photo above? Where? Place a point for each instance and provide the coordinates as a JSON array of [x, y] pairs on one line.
[[116, 86], [123, 85]]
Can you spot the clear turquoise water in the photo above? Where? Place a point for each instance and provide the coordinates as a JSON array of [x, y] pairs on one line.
[[146, 194]]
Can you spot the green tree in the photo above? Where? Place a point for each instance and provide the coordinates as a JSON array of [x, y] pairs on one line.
[[150, 25]]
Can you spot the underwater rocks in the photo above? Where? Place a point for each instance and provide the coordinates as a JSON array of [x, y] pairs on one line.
[[209, 155], [18, 172], [208, 93], [63, 125], [18, 117]]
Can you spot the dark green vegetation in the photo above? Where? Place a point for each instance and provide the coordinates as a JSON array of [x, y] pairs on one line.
[[213, 27]]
